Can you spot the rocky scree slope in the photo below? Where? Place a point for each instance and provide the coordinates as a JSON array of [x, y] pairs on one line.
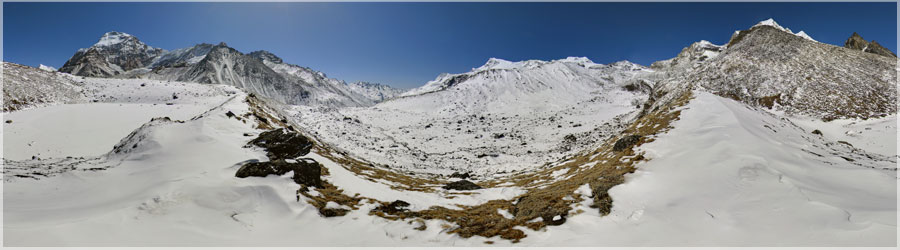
[[26, 87], [769, 67]]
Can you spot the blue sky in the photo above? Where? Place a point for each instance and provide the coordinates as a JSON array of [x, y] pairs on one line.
[[408, 44]]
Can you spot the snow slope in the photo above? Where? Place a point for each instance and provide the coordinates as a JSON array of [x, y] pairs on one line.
[[763, 186], [176, 187], [92, 128], [722, 177]]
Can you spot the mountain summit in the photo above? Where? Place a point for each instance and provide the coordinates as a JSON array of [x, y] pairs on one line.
[[114, 54]]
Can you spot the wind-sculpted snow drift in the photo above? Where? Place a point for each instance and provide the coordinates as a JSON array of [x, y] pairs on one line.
[[771, 139]]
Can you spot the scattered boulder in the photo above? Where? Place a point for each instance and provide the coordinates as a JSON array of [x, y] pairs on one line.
[[570, 138], [459, 175], [817, 132], [229, 114], [282, 144], [461, 185], [626, 142], [306, 171], [8, 121], [394, 207], [555, 220], [333, 212]]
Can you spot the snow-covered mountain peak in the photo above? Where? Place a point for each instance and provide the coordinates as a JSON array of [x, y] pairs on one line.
[[771, 22], [113, 37], [113, 54], [496, 63], [580, 60], [804, 35]]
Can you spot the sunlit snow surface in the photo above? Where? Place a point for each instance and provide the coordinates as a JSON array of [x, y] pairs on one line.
[[720, 177]]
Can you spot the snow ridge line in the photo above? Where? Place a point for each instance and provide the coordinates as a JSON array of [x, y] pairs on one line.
[[205, 113]]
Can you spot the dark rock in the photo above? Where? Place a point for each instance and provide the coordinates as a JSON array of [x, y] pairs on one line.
[[8, 121], [281, 144], [460, 175], [856, 42], [394, 207], [306, 171], [551, 222], [461, 185], [570, 138], [486, 155], [229, 114], [333, 212], [817, 132], [626, 142]]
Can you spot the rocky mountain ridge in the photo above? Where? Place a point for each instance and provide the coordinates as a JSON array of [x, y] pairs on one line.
[[769, 66], [121, 55]]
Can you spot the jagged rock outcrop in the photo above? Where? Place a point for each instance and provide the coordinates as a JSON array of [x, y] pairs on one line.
[[307, 172], [858, 43], [263, 55], [282, 144]]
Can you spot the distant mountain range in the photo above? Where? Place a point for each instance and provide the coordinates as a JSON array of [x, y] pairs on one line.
[[759, 65], [121, 55]]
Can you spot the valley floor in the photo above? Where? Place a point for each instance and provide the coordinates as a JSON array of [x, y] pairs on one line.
[[724, 175]]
